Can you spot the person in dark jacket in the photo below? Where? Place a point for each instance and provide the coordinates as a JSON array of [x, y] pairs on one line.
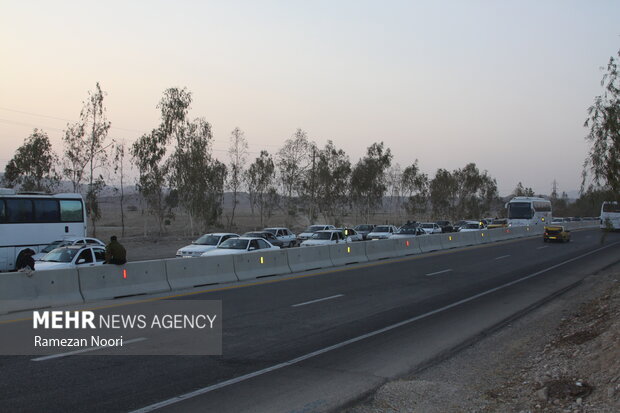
[[25, 260], [115, 253]]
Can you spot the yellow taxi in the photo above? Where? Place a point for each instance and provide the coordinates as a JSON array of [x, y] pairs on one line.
[[556, 233]]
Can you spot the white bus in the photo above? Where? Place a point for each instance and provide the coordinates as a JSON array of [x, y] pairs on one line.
[[610, 215], [35, 220], [523, 211]]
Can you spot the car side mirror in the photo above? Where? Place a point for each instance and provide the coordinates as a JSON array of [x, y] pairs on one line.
[[81, 261]]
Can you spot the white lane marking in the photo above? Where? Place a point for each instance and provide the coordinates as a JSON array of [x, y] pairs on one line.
[[318, 300], [439, 272], [502, 257], [543, 247], [84, 350], [279, 366]]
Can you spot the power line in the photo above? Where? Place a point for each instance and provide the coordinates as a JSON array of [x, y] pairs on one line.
[[63, 119]]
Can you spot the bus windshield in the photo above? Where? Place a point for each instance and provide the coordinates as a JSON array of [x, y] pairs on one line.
[[611, 207], [520, 210]]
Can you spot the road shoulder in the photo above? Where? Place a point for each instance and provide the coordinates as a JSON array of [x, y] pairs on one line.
[[561, 357]]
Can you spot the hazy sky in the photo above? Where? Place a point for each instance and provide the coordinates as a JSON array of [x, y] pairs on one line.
[[504, 84]]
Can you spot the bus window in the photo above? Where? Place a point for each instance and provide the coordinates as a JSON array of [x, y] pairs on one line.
[[19, 210], [2, 211], [70, 211], [46, 210], [611, 207]]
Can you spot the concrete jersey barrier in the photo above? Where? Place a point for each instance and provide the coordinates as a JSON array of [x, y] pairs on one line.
[[260, 264], [113, 281], [200, 271], [345, 253], [458, 239], [308, 258], [407, 246], [430, 242], [381, 249], [42, 289]]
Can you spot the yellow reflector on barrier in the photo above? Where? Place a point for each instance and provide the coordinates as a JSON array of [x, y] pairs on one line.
[[482, 234], [262, 260], [348, 250], [450, 237]]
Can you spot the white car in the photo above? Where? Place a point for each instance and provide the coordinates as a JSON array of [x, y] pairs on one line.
[[328, 237], [408, 232], [430, 227], [309, 232], [470, 226], [68, 241], [382, 232], [352, 234], [72, 256], [283, 234], [205, 243], [240, 245]]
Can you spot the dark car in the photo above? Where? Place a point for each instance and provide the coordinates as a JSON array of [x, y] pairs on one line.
[[265, 235], [446, 226], [457, 225], [364, 229]]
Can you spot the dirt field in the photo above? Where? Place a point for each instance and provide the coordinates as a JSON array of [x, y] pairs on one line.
[[143, 242]]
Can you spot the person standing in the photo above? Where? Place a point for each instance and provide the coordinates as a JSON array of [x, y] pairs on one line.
[[115, 253], [25, 262]]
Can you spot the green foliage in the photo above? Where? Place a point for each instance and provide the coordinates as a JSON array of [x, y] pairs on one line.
[[149, 152], [522, 191], [603, 161], [195, 175], [260, 178], [368, 179], [463, 193], [415, 187], [32, 166], [333, 170]]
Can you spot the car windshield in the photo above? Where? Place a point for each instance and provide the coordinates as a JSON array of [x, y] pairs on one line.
[[272, 230], [407, 230], [314, 228], [471, 226], [234, 244], [60, 255], [444, 223], [381, 229], [519, 210], [53, 245], [499, 221], [427, 225], [207, 239], [322, 235], [364, 228]]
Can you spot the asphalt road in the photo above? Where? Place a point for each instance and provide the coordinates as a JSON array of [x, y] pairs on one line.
[[314, 342]]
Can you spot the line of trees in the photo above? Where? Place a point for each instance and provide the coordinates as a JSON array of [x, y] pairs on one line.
[[177, 170]]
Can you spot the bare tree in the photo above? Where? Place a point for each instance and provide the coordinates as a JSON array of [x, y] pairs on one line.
[[119, 152], [238, 153], [86, 151]]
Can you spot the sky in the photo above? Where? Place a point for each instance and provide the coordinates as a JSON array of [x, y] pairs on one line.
[[504, 84]]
